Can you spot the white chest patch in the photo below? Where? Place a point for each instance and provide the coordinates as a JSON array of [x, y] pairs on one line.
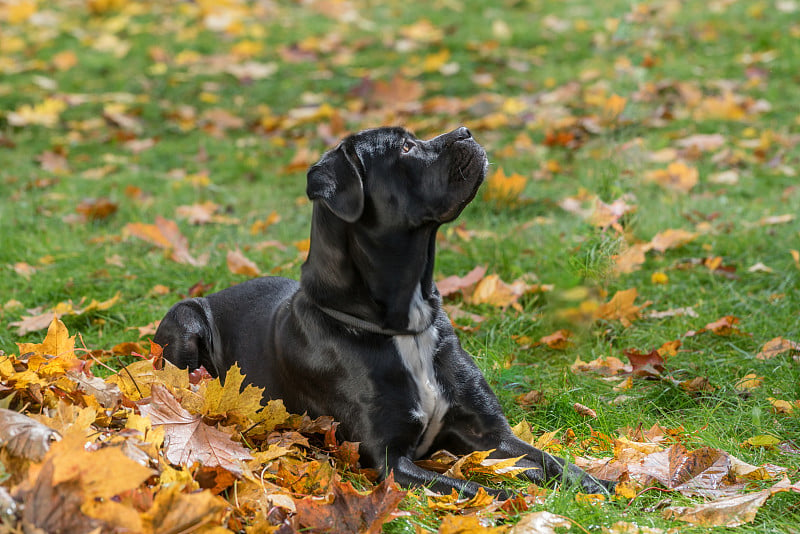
[[417, 355]]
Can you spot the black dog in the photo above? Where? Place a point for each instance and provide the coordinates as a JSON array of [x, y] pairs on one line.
[[363, 337]]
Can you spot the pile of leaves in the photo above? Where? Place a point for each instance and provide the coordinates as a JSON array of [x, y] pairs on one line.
[[153, 448]]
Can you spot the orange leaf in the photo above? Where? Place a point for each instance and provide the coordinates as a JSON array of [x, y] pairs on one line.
[[504, 189], [677, 176], [621, 307], [239, 264], [777, 346]]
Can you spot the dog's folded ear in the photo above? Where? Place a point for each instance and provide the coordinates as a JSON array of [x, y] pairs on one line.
[[337, 179]]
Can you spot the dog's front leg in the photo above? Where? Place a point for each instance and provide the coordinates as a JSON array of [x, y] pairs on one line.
[[407, 473], [546, 467]]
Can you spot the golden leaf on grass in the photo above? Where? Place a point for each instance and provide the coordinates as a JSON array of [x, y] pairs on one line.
[[453, 502], [677, 176], [621, 307], [492, 290], [782, 406], [262, 224], [57, 343], [613, 106], [777, 346], [451, 284], [669, 239], [504, 189], [45, 113], [631, 258], [467, 524], [239, 264], [749, 381]]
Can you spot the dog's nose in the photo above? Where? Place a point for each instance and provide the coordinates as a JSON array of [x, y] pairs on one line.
[[463, 133]]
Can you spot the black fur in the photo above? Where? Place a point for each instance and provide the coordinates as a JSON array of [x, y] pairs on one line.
[[327, 345]]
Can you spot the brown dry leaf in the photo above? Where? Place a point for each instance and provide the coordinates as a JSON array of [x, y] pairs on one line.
[[239, 264], [166, 234], [782, 406], [677, 176], [703, 471], [724, 326], [669, 239], [584, 410], [94, 209], [621, 307], [190, 439], [777, 346], [649, 364], [726, 512], [530, 398], [22, 436], [451, 284], [558, 340], [347, 510]]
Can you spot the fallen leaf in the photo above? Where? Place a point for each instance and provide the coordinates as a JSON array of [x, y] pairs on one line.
[[649, 364], [502, 189], [541, 523], [452, 284], [165, 234], [584, 410], [190, 439], [777, 346], [22, 436], [347, 510], [239, 264], [677, 176], [669, 239], [621, 307]]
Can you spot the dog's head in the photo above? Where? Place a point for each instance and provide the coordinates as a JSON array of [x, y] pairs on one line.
[[392, 178]]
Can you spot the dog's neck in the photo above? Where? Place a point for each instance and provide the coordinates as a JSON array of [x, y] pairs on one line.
[[393, 290]]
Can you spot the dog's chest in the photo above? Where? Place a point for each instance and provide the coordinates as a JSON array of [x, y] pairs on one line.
[[417, 352]]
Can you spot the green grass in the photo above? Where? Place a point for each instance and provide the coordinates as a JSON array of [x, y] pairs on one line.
[[688, 42]]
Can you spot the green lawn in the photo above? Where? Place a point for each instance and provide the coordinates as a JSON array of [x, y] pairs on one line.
[[158, 105]]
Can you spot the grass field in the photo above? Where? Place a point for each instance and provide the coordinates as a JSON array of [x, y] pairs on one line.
[[615, 121]]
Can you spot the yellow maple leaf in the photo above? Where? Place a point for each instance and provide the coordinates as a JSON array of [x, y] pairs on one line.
[[45, 113], [219, 399], [56, 343], [677, 176], [621, 307], [504, 189], [671, 238], [136, 379], [613, 106]]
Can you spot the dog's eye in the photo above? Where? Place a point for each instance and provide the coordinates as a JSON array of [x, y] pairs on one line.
[[407, 146]]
